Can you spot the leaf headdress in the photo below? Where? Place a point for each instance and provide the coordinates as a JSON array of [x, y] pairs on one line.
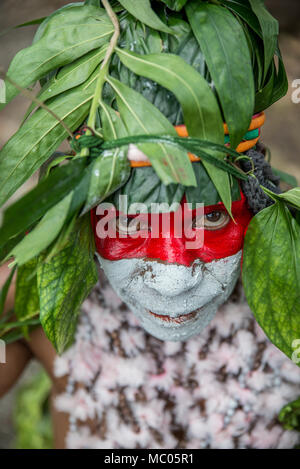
[[147, 74]]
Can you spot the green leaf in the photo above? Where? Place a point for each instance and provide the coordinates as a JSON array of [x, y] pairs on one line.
[[243, 9], [27, 303], [30, 208], [64, 283], [112, 169], [200, 108], [285, 177], [143, 12], [175, 5], [224, 44], [271, 274], [141, 117], [281, 84], [193, 145], [43, 234], [264, 96], [4, 291], [290, 416], [70, 76], [40, 136], [67, 36], [270, 31], [292, 197], [144, 186]]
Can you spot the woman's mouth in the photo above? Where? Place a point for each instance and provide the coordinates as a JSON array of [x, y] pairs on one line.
[[178, 320]]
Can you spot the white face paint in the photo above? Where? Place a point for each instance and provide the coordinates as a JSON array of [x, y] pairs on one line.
[[173, 302]]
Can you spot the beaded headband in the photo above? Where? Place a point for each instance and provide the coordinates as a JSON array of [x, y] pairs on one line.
[[138, 159]]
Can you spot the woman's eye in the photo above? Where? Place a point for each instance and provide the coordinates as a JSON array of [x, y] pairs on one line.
[[212, 221], [131, 226]]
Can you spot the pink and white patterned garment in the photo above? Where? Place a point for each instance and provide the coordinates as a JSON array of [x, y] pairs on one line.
[[221, 389]]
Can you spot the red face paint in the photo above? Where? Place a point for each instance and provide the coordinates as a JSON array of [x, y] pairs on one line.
[[218, 244]]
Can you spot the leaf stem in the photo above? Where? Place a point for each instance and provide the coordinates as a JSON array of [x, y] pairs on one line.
[[103, 70]]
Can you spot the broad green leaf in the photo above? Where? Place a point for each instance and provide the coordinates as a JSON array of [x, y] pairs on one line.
[[270, 31], [271, 274], [64, 283], [43, 234], [143, 12], [243, 9], [70, 76], [63, 41], [55, 18], [40, 136], [141, 117], [289, 416], [27, 303], [292, 197], [21, 215], [223, 42], [4, 291], [175, 5]]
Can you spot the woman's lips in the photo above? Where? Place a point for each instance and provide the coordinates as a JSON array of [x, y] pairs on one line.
[[178, 319]]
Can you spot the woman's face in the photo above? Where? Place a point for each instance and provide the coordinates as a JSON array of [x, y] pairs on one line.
[[173, 281]]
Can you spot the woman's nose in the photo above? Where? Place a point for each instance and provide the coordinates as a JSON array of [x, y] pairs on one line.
[[171, 279]]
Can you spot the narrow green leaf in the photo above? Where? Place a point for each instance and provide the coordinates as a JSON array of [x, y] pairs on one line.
[[64, 283], [281, 84], [243, 9], [285, 177], [43, 234], [70, 76], [26, 323], [63, 41], [27, 303], [224, 44], [40, 136], [28, 23], [271, 274], [270, 31], [143, 12], [30, 208], [141, 117], [112, 169]]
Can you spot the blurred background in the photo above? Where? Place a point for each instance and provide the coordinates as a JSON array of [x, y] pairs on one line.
[[281, 132]]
